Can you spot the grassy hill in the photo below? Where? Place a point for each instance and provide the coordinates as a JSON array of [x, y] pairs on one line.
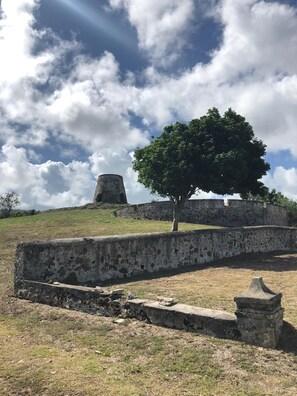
[[50, 351]]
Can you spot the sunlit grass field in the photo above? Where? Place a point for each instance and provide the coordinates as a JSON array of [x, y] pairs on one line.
[[51, 351]]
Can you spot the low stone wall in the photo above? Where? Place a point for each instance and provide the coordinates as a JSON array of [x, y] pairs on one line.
[[96, 260], [212, 322], [103, 302], [236, 213], [258, 319], [95, 301]]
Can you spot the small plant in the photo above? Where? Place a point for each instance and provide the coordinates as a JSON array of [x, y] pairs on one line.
[[127, 358]]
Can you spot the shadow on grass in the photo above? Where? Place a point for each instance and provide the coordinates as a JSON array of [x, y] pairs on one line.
[[288, 339], [278, 261]]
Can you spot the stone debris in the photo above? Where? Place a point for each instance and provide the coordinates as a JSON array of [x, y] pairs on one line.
[[53, 282], [117, 292], [119, 321], [166, 301], [130, 296], [99, 289]]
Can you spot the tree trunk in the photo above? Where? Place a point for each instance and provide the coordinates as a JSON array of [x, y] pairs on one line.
[[176, 215]]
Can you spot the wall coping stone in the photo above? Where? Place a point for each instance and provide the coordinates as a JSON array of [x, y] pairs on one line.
[[148, 235], [185, 309], [225, 202], [185, 317]]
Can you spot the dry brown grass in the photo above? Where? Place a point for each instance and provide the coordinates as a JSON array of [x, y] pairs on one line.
[[216, 285], [50, 351]]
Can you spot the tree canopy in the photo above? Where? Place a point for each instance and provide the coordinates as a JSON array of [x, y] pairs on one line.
[[211, 153], [8, 201]]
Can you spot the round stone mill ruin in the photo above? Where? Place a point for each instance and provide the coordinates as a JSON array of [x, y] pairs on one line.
[[110, 189]]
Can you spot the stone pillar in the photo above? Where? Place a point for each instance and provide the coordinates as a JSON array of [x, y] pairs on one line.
[[259, 315], [110, 189]]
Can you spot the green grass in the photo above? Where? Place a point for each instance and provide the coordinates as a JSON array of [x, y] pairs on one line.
[[54, 352], [79, 223]]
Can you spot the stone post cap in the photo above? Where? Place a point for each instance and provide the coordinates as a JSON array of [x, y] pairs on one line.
[[258, 292]]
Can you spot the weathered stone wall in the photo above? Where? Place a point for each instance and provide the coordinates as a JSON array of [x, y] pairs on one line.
[[258, 319], [236, 213], [259, 314], [95, 260], [216, 323], [95, 301]]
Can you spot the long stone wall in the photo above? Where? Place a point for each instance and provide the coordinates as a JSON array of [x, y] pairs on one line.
[[236, 213], [95, 260]]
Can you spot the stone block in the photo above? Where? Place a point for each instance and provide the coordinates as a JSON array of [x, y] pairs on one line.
[[185, 317], [259, 315]]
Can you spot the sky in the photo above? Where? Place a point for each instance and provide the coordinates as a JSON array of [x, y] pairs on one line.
[[85, 82]]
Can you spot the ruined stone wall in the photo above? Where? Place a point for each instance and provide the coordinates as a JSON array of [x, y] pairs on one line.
[[236, 213], [95, 260], [95, 301]]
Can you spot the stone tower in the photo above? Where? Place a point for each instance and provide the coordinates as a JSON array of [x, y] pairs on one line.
[[110, 189]]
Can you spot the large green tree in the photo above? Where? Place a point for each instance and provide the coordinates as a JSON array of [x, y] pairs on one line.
[[211, 153]]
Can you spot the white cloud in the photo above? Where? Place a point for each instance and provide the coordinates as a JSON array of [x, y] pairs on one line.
[[161, 26], [15, 171], [17, 39], [283, 180], [259, 38], [254, 71], [86, 107], [51, 184], [23, 68], [78, 108]]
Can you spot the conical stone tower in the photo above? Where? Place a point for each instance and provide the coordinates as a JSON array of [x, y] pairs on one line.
[[110, 189]]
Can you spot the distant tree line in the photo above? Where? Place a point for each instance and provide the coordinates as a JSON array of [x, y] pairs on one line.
[[8, 202]]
